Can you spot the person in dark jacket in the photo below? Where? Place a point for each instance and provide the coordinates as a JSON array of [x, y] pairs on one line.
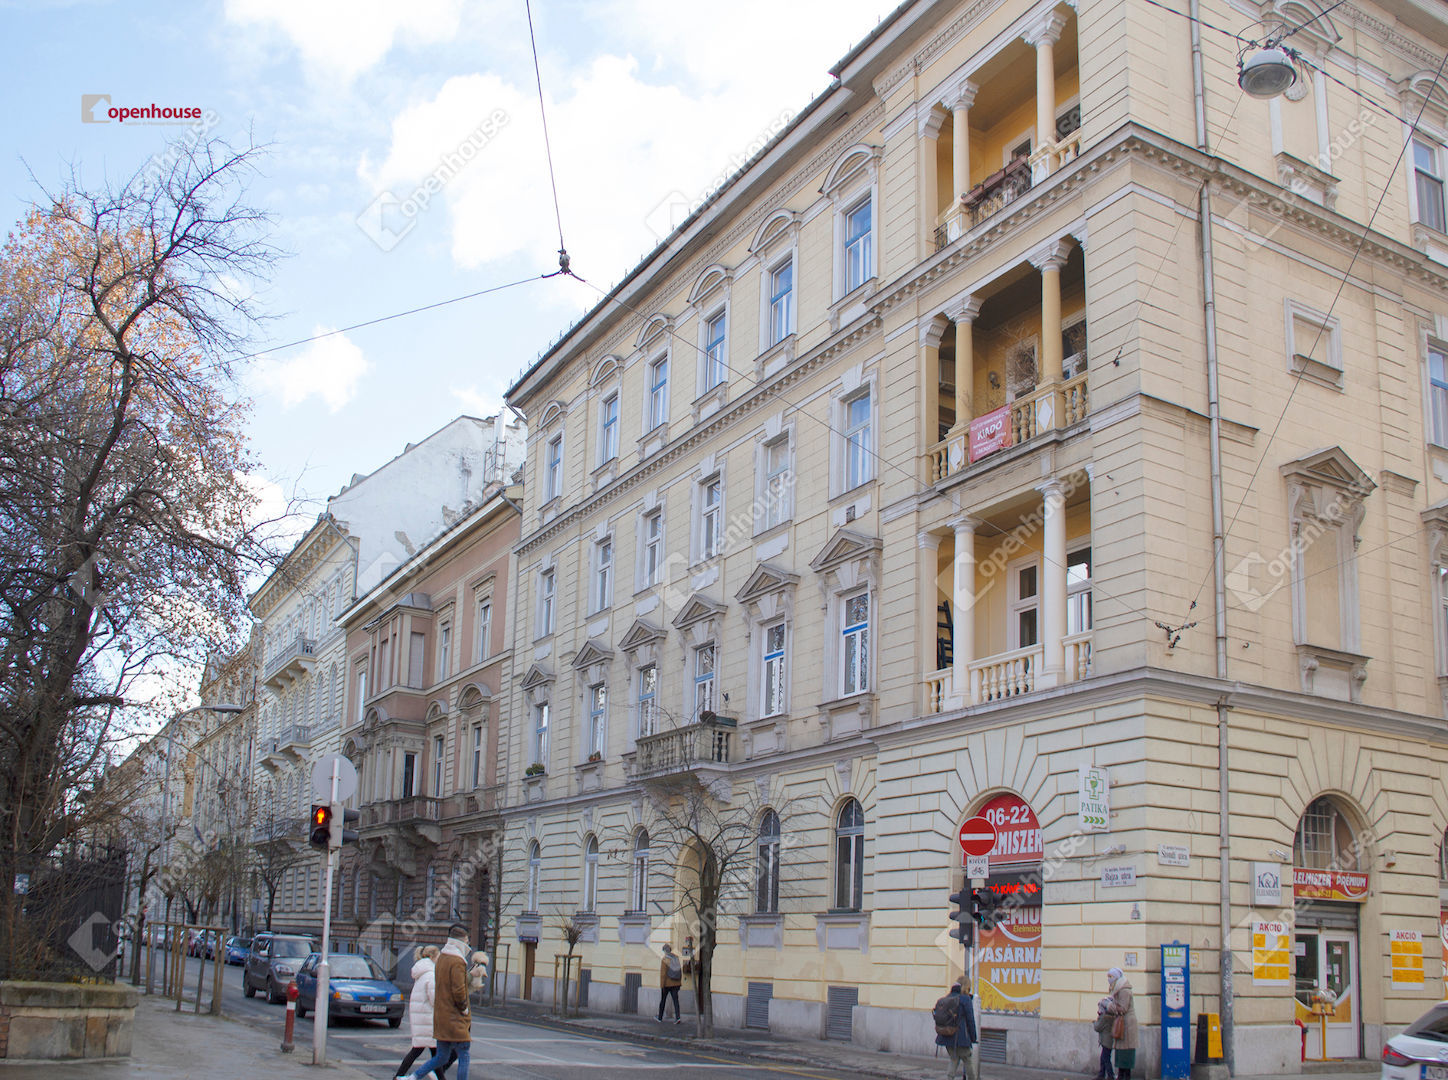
[[1104, 1022], [959, 1044]]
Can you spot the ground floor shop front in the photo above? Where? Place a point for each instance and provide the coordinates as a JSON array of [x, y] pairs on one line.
[[836, 923]]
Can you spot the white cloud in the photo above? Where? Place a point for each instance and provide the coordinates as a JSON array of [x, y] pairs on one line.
[[479, 402], [343, 38], [328, 369]]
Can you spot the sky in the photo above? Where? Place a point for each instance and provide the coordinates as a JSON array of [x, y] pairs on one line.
[[405, 165]]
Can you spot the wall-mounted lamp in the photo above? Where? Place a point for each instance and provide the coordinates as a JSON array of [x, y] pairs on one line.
[[994, 380], [1280, 855], [1117, 849], [1390, 859]]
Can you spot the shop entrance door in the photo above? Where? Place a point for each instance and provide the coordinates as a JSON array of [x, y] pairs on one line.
[[1327, 962]]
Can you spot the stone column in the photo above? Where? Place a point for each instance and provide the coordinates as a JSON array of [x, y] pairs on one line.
[[1053, 584], [1049, 262], [930, 335], [960, 103], [929, 128], [927, 551], [962, 613], [1043, 37], [964, 317]]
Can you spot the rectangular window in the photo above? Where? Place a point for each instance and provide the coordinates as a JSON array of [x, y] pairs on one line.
[[653, 547], [477, 755], [361, 694], [540, 733], [711, 514], [608, 433], [602, 574], [773, 703], [1428, 182], [781, 301], [597, 718], [485, 628], [417, 648], [858, 245], [1438, 393], [648, 702], [856, 652], [1078, 591], [444, 651], [858, 445], [553, 468], [409, 775], [437, 766], [547, 584], [777, 482], [658, 410], [703, 679], [716, 367], [1025, 607]]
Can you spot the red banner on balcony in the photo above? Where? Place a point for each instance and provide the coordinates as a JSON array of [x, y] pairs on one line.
[[990, 433]]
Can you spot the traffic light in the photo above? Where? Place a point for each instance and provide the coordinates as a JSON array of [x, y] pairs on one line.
[[984, 907], [321, 825], [339, 817], [961, 929]]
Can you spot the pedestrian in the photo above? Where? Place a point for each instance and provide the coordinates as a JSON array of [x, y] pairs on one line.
[[1123, 1027], [1103, 1024], [419, 1010], [954, 1018], [671, 977], [452, 1018]]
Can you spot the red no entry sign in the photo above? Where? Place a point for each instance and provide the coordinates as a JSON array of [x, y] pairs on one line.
[[977, 836]]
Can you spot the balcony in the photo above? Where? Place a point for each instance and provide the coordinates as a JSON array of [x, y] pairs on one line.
[[412, 809], [288, 748], [1040, 412], [294, 659], [706, 746]]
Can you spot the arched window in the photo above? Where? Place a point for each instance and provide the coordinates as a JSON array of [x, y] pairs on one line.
[[850, 857], [590, 873], [535, 866], [356, 890], [1325, 839], [766, 873], [639, 893]]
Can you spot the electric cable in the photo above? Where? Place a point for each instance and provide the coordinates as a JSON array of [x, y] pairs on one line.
[[547, 142]]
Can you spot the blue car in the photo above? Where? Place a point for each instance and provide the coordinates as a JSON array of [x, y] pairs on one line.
[[236, 949], [358, 989]]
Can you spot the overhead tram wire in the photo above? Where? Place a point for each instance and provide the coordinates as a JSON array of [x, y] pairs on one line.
[[547, 142], [797, 408], [1308, 22], [1317, 338]]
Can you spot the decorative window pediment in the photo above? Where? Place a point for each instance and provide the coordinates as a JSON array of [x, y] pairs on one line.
[[780, 225], [593, 660], [606, 369], [640, 635], [1424, 90], [854, 164], [657, 324], [697, 610], [846, 546], [552, 412], [766, 580], [1327, 485], [537, 684], [712, 278]]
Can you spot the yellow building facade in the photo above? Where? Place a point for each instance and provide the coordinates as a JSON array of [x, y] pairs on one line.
[[881, 496]]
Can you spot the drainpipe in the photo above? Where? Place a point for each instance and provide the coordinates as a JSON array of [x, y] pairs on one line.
[[1219, 570]]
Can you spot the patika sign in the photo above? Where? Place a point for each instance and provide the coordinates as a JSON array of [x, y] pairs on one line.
[[1349, 885], [990, 433]]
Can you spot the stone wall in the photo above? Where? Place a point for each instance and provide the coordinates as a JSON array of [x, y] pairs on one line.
[[59, 1021]]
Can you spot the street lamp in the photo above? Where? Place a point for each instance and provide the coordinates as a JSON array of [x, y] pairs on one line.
[[1266, 72]]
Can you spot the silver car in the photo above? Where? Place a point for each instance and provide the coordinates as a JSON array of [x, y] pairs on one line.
[[1421, 1051], [273, 963]]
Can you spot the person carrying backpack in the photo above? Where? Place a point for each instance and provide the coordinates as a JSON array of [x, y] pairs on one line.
[[671, 977], [954, 1018]]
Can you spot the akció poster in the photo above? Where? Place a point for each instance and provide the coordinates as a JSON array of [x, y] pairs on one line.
[[1008, 960]]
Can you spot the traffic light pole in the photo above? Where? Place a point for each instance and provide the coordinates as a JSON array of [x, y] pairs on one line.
[[324, 969]]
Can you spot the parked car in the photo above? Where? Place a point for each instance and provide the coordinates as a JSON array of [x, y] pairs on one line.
[[236, 949], [273, 962], [358, 989], [1420, 1052], [198, 942]]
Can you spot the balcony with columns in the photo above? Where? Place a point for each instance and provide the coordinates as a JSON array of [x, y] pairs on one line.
[[1007, 367], [1012, 611], [1003, 127]]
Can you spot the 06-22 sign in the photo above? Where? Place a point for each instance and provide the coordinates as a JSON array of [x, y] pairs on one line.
[[1018, 833]]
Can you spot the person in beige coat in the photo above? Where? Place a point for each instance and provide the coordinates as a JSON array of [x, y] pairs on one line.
[[1123, 1006], [671, 977]]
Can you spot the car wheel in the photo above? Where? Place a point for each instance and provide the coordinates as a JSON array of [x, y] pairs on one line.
[[394, 1021], [273, 995], [247, 988]]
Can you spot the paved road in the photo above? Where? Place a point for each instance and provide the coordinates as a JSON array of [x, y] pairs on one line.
[[503, 1049]]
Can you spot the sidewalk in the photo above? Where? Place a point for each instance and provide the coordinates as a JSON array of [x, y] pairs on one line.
[[171, 1046]]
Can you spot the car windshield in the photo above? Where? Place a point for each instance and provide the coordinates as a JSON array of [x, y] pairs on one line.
[[290, 947], [1433, 1025], [352, 966]]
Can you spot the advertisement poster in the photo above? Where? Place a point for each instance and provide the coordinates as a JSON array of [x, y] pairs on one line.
[[1443, 935], [1406, 959], [1329, 885], [1009, 959], [1018, 833], [990, 433], [1271, 960]]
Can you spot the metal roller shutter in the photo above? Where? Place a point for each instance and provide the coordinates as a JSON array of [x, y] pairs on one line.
[[632, 982], [756, 1005], [993, 1045], [840, 1022]]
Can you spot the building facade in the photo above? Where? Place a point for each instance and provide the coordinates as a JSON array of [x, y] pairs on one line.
[[885, 493], [428, 653]]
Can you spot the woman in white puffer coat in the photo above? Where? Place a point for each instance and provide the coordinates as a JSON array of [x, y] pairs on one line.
[[419, 1010]]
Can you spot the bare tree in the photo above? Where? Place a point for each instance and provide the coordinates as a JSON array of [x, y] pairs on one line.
[[124, 533], [277, 850], [704, 848]]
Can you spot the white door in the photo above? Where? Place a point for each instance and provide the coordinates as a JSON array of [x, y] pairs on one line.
[[1339, 963]]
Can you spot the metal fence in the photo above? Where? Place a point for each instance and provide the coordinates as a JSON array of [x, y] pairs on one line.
[[67, 919]]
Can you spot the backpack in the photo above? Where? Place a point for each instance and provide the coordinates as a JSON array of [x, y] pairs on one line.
[[675, 970], [946, 1014]]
